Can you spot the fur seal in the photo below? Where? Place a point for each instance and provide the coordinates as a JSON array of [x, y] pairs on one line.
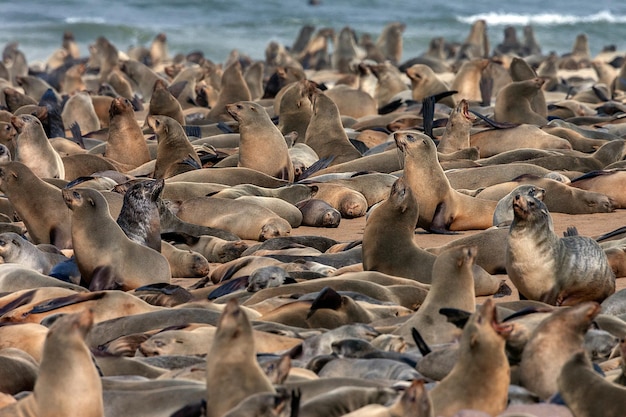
[[30, 197], [452, 287], [551, 344], [425, 83], [163, 103], [79, 109], [107, 258], [481, 358], [503, 216], [233, 88], [318, 213], [492, 142], [442, 208], [556, 271], [262, 146], [513, 103], [232, 362], [66, 368], [586, 393], [33, 149], [258, 223], [294, 108], [139, 217], [15, 249], [125, 143], [175, 154], [325, 133], [456, 135]]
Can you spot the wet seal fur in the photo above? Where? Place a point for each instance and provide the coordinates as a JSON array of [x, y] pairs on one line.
[[544, 267]]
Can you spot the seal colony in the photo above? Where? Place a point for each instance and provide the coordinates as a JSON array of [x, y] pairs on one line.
[[317, 233]]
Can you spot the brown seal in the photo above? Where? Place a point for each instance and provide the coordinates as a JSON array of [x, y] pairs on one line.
[[442, 208], [456, 135], [233, 88], [232, 362], [248, 221], [452, 287], [141, 75], [425, 83], [544, 267], [79, 109], [414, 401], [318, 213], [163, 103], [33, 149], [261, 146], [66, 368], [586, 392], [125, 143], [610, 183], [481, 358], [467, 80], [107, 258], [30, 196], [325, 134], [551, 344], [494, 141], [294, 109], [514, 103], [175, 154]]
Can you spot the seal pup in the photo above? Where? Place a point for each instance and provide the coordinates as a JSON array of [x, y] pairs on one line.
[[175, 154], [79, 109], [125, 142], [551, 344], [139, 217], [15, 249], [556, 271], [503, 216], [66, 368], [414, 401], [106, 257], [33, 149], [481, 376], [586, 392], [231, 362], [30, 196], [442, 208], [261, 145], [258, 223]]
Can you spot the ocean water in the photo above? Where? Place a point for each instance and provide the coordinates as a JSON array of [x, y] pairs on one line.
[[217, 27]]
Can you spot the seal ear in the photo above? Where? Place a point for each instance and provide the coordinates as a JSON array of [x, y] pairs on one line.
[[91, 201]]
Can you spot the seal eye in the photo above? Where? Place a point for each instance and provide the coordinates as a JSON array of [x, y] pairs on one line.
[[75, 194]]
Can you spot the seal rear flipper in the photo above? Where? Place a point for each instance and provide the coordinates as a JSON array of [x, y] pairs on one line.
[[61, 302], [228, 287], [192, 410], [493, 123], [327, 298], [18, 302], [420, 342], [77, 135], [571, 231], [102, 278], [439, 223]]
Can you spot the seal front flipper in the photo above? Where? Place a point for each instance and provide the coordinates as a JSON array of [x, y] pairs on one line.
[[420, 342], [455, 316], [61, 302], [103, 279], [439, 223]]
